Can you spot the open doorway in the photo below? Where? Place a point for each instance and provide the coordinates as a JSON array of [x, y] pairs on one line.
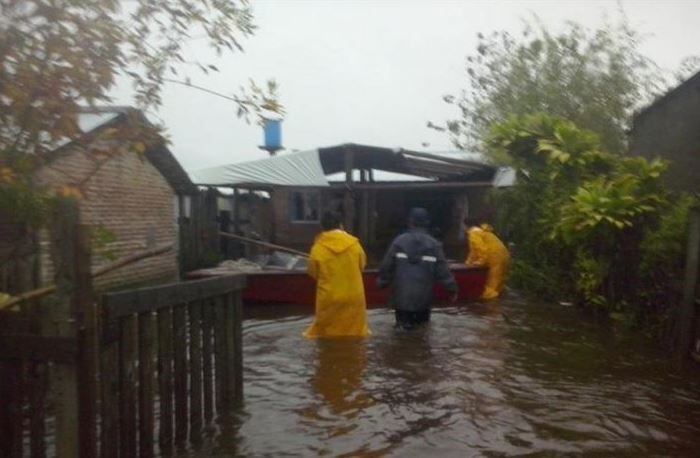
[[391, 215]]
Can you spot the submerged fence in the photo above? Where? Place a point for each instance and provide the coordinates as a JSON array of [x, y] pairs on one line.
[[132, 373]]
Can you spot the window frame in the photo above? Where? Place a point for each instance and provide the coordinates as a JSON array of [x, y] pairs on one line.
[[305, 195]]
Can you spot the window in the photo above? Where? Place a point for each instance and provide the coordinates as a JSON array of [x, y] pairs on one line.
[[304, 207]]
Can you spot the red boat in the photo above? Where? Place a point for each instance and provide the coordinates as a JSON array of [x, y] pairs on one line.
[[297, 288]]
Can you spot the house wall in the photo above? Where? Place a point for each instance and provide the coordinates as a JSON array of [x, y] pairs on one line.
[[447, 209], [292, 234], [670, 129], [124, 194], [389, 218]]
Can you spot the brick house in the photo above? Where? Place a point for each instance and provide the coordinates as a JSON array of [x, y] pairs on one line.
[[135, 197], [669, 128]]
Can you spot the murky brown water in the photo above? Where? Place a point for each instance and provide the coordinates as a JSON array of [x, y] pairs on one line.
[[498, 380]]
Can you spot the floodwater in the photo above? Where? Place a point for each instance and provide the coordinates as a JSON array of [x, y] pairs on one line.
[[507, 379]]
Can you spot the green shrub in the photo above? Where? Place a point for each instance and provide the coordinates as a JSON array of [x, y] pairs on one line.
[[662, 263], [583, 220]]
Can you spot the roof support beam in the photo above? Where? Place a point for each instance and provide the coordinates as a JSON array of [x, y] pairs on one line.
[[418, 186], [348, 202]]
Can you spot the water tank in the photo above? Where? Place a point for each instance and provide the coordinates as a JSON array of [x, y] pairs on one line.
[[272, 129]]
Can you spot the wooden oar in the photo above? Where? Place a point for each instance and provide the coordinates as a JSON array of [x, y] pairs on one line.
[[265, 244]]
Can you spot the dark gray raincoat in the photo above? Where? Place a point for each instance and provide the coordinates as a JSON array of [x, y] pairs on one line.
[[412, 264]]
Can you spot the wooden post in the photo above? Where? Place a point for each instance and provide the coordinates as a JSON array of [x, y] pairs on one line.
[[686, 313], [372, 222], [239, 249], [87, 368], [61, 321], [364, 217], [348, 202], [210, 227]]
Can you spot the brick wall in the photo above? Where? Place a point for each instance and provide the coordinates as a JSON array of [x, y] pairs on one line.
[[127, 196]]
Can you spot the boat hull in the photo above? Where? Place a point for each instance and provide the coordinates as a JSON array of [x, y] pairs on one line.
[[297, 288]]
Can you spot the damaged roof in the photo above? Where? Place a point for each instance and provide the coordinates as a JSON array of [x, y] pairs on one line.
[[312, 168]]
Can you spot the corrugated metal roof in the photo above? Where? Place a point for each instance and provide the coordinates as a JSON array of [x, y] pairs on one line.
[[319, 166], [297, 169]]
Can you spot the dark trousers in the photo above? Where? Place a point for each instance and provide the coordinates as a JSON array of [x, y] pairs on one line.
[[408, 320]]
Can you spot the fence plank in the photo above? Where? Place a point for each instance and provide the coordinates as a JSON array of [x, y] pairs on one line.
[[220, 352], [230, 364], [180, 340], [37, 401], [207, 358], [87, 396], [127, 386], [109, 390], [238, 346], [165, 379], [195, 312], [146, 385]]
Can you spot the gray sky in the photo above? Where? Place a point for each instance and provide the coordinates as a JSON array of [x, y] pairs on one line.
[[374, 72]]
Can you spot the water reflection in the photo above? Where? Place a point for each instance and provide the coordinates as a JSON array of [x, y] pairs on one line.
[[340, 370], [505, 379]]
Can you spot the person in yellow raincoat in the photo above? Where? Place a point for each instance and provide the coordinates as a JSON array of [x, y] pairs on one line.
[[486, 249], [336, 263]]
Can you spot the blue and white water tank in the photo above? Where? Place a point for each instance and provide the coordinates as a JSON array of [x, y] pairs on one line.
[[272, 135]]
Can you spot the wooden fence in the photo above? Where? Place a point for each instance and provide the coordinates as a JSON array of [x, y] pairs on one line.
[[133, 373], [175, 348], [199, 232]]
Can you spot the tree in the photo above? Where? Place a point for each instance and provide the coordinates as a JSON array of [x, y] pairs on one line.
[[593, 78], [586, 222], [59, 55]]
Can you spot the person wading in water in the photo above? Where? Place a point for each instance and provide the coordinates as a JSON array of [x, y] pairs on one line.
[[336, 263], [486, 249], [413, 263]]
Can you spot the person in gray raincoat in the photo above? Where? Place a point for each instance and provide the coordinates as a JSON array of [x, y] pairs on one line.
[[413, 263]]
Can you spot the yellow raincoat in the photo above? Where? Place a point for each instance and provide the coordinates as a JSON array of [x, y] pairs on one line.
[[485, 249], [336, 262]]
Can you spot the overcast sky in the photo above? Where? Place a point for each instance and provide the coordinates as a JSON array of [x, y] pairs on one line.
[[374, 72]]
